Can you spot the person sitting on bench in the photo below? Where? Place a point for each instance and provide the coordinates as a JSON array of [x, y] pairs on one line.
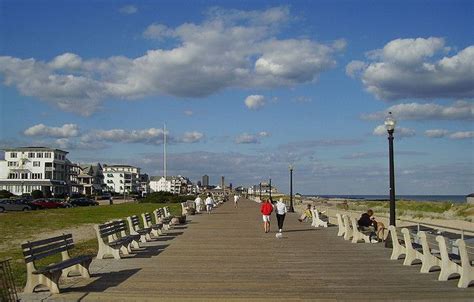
[[306, 214], [367, 223]]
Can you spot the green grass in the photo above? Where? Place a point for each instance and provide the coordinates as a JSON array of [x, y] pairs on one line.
[[25, 225]]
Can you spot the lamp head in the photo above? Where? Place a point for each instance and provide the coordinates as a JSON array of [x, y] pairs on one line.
[[390, 122]]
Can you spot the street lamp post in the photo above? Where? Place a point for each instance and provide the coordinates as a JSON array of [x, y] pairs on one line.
[[291, 209], [270, 184], [390, 126], [260, 191]]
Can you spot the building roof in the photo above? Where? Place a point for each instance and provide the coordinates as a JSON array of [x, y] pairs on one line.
[[120, 166], [20, 149]]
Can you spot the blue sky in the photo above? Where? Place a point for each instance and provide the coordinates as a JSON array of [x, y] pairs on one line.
[[247, 88]]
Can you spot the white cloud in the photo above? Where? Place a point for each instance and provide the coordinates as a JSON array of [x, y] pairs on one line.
[[246, 138], [460, 110], [188, 112], [264, 134], [158, 31], [399, 131], [462, 135], [128, 9], [66, 61], [192, 137], [66, 130], [411, 68], [229, 49], [254, 102], [436, 133], [145, 136]]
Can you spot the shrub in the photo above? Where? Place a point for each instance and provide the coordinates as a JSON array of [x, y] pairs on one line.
[[5, 194], [164, 197], [37, 194]]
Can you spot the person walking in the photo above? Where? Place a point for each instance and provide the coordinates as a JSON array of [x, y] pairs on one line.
[[280, 210], [198, 202], [266, 209], [209, 203], [236, 199]]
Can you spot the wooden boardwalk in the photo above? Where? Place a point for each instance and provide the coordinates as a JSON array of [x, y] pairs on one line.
[[226, 256]]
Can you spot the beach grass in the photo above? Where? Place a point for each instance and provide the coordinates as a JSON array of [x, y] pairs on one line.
[[22, 226]]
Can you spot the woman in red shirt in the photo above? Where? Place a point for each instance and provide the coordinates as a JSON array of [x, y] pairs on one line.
[[266, 209]]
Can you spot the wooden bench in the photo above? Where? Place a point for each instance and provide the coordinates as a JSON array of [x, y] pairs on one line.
[[316, 220], [467, 271], [412, 249], [135, 229], [397, 249], [340, 225], [160, 218], [188, 206], [122, 227], [112, 239], [430, 257], [357, 234], [49, 275], [450, 263], [347, 227], [155, 227]]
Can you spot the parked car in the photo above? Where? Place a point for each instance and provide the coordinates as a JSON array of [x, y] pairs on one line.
[[50, 203], [11, 205], [27, 202], [83, 202]]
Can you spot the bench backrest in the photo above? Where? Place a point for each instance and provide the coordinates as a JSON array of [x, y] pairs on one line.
[[466, 252], [147, 218], [39, 249], [160, 212], [135, 221], [428, 242], [108, 229]]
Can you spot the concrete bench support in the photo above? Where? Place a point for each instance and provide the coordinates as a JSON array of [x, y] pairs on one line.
[[412, 254], [466, 271], [340, 225], [428, 260], [398, 249]]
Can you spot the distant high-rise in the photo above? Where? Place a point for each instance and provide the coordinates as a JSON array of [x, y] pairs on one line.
[[205, 181], [222, 182]]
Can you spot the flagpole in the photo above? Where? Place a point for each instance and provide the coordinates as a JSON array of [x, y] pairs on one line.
[[164, 150]]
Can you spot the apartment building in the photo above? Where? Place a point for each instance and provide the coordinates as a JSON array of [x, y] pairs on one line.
[[26, 169], [122, 178]]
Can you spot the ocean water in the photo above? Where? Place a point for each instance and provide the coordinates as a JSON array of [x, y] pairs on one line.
[[446, 198]]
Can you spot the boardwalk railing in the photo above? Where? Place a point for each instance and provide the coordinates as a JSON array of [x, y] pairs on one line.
[[7, 285]]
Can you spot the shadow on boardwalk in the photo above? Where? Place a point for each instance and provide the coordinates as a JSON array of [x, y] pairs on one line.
[[227, 256]]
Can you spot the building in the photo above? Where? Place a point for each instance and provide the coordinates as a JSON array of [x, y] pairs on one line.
[[27, 169], [205, 181], [264, 187], [122, 178], [173, 184], [144, 184], [470, 198], [91, 179]]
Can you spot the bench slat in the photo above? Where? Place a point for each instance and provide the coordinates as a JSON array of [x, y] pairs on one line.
[[30, 244], [43, 248], [63, 264]]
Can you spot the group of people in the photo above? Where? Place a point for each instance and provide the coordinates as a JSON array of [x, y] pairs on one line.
[[267, 208], [210, 203]]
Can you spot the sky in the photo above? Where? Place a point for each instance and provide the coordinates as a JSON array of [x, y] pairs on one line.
[[247, 88]]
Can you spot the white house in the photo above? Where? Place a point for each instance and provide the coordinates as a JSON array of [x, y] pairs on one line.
[[173, 184], [26, 169], [122, 178]]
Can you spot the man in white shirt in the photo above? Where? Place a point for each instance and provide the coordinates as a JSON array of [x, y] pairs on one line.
[[209, 203], [198, 202], [280, 213], [236, 199]]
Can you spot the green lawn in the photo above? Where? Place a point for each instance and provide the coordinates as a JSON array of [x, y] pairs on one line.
[[25, 225]]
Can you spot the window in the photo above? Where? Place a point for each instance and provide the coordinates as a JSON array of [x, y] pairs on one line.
[[31, 155], [24, 175], [39, 155], [36, 164], [48, 175], [13, 164], [47, 155], [110, 175], [13, 155], [49, 165], [12, 176]]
